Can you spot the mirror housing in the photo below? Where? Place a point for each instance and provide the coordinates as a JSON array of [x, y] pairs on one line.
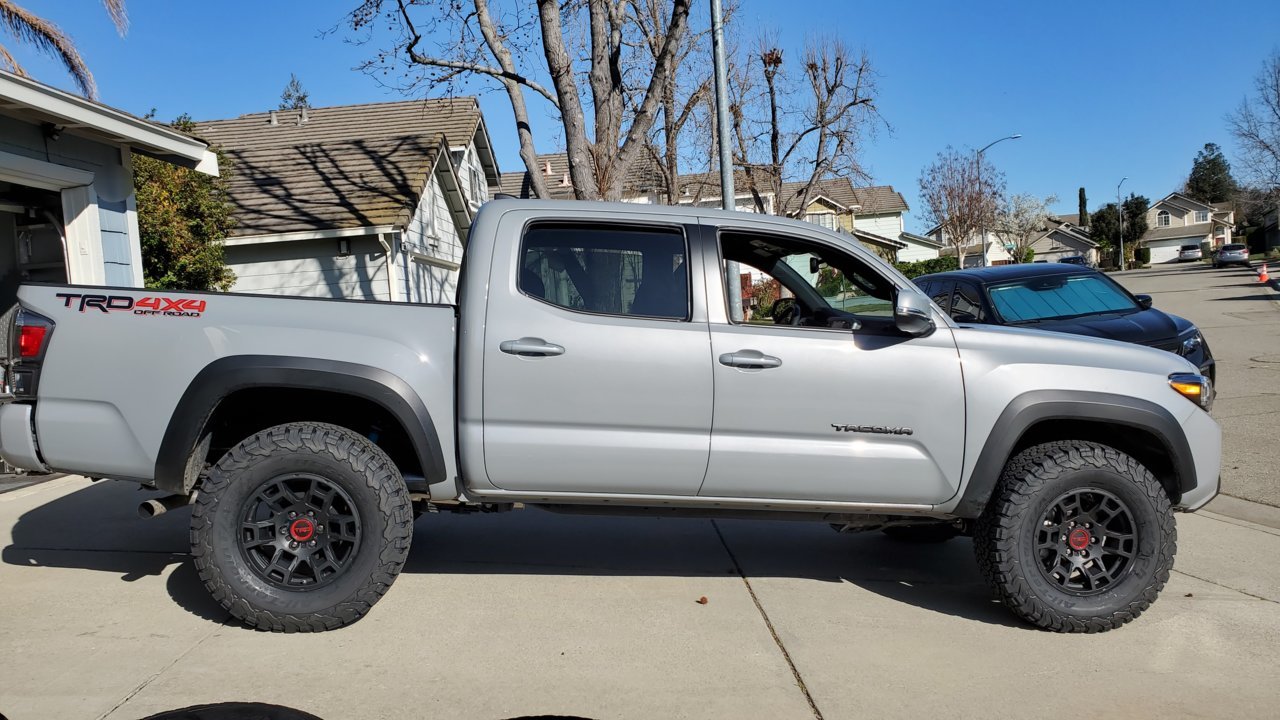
[[913, 313], [1144, 301], [815, 264]]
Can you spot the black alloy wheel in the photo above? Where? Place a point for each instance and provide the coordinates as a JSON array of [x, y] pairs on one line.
[[1087, 541], [299, 531]]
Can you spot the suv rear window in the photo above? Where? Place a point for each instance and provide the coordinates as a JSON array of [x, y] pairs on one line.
[[1190, 247], [1233, 247]]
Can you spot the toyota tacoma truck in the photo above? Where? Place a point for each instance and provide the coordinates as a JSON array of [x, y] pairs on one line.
[[616, 358]]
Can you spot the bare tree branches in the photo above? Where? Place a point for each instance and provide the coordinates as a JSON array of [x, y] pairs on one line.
[[819, 136], [437, 41], [959, 201], [1021, 221], [1256, 126]]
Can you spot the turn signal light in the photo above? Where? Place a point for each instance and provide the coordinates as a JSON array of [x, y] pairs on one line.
[[1196, 388], [31, 340]]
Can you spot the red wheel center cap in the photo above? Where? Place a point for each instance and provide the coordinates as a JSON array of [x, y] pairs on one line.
[[1079, 539], [302, 529]]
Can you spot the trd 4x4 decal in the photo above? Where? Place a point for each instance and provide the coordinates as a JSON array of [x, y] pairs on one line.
[[169, 307]]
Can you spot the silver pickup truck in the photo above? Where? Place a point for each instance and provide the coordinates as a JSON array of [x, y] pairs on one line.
[[598, 360]]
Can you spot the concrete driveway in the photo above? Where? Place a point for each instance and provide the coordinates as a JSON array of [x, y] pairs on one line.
[[527, 613]]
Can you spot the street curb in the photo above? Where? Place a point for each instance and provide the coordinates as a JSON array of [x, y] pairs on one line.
[[1247, 510]]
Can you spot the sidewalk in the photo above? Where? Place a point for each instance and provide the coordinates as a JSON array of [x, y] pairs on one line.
[[526, 613]]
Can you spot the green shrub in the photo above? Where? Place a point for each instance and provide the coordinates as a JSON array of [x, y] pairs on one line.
[[1143, 255], [927, 267]]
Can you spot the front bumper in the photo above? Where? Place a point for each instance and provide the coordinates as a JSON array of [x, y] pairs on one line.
[[1205, 438]]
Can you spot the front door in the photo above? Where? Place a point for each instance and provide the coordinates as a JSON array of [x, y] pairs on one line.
[[817, 395], [597, 371]]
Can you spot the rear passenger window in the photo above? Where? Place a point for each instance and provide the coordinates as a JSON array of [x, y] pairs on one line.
[[941, 294], [607, 270], [966, 305]]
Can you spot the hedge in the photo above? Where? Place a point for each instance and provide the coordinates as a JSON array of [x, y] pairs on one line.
[[927, 267]]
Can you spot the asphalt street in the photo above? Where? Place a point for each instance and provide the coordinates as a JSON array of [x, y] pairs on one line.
[[528, 613]]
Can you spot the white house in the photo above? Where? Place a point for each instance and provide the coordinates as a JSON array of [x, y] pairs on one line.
[[369, 202], [67, 205], [918, 247], [1177, 220]]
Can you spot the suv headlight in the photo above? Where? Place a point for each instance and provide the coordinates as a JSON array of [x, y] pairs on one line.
[[1191, 344], [1196, 388]]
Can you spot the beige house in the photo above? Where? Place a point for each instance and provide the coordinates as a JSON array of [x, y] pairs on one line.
[[1059, 238], [1178, 220]]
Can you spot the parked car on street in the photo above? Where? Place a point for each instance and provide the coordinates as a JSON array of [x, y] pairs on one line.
[[1065, 299], [1080, 260], [1231, 254], [1189, 252], [595, 364]]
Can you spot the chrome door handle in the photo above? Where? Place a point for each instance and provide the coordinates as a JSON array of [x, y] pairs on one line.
[[531, 347], [750, 359]]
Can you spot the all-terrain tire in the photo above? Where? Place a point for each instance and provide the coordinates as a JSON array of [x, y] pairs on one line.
[[929, 534], [354, 468], [1005, 536]]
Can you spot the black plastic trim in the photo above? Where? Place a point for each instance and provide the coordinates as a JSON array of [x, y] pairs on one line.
[[1030, 408], [238, 372]]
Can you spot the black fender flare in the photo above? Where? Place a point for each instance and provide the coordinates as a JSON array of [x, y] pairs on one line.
[[227, 375], [1029, 408]]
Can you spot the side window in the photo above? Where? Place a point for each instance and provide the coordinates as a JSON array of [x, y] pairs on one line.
[[966, 304], [628, 271], [804, 284], [941, 294]]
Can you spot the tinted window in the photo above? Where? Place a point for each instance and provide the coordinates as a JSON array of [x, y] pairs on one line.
[[607, 270], [1190, 247], [1232, 247], [941, 294], [966, 304], [1058, 296]]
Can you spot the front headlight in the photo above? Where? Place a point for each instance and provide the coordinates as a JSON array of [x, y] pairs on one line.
[[1191, 344], [1196, 388]]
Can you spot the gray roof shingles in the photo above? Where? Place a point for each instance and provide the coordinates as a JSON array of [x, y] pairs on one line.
[[348, 166]]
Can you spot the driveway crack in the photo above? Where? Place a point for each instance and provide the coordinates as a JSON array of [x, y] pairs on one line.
[[795, 672], [159, 672]]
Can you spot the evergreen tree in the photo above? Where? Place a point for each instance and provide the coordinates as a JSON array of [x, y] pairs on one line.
[[1211, 179], [1083, 220], [294, 96]]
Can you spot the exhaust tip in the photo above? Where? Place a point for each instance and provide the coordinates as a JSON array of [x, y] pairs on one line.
[[151, 508]]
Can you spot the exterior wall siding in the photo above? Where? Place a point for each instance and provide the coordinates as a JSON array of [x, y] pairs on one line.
[[112, 183], [887, 225], [311, 268], [913, 252], [431, 235]]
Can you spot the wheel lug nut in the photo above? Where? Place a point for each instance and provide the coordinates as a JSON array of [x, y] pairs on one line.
[[293, 514], [293, 545], [311, 544], [311, 513]]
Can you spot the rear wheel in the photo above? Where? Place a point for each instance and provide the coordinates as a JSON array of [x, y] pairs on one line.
[[1079, 537], [301, 527]]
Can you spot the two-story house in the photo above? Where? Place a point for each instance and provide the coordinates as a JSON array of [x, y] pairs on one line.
[[1178, 220], [369, 202]]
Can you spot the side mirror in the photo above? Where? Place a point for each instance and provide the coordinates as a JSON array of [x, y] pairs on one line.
[[913, 314], [815, 264], [1144, 301]]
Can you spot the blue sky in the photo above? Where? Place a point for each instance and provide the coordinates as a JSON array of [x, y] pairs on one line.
[[1099, 91]]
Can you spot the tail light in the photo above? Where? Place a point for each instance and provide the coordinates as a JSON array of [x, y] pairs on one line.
[[32, 332]]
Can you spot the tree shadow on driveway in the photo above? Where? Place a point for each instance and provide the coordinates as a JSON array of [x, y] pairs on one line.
[[96, 528]]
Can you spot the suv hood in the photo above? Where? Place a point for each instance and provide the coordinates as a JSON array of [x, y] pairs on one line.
[[1145, 327], [996, 345]]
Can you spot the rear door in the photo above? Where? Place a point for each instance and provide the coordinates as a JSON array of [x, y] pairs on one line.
[[597, 363]]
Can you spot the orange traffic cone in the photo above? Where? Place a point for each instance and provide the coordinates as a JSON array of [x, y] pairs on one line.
[[1262, 276]]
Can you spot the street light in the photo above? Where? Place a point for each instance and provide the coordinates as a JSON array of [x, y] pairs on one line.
[[982, 211], [1120, 209]]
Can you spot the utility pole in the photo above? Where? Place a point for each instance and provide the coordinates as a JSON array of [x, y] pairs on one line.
[[734, 289], [1120, 209], [982, 200]]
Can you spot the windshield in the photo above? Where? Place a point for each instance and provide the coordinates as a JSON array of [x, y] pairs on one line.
[[1058, 296]]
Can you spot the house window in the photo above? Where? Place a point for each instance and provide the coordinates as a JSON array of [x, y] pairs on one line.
[[826, 219], [1202, 216], [1162, 218]]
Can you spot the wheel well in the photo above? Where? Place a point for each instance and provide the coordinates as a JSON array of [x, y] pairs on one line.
[[245, 412], [1140, 444]]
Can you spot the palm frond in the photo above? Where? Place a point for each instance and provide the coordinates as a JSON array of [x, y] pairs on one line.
[[10, 63], [48, 38], [118, 15]]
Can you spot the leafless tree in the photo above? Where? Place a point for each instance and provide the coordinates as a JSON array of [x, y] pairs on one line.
[[439, 42], [34, 30], [802, 125], [957, 201], [1021, 220], [1256, 126]]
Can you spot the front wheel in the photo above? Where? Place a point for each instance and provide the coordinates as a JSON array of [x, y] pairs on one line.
[[301, 527], [1078, 537]]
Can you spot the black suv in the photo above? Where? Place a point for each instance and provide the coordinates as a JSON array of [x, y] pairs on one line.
[[1064, 298]]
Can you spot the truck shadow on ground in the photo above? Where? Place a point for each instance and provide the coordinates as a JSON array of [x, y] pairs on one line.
[[96, 528]]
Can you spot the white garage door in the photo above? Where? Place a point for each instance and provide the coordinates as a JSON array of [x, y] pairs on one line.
[[1167, 250]]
